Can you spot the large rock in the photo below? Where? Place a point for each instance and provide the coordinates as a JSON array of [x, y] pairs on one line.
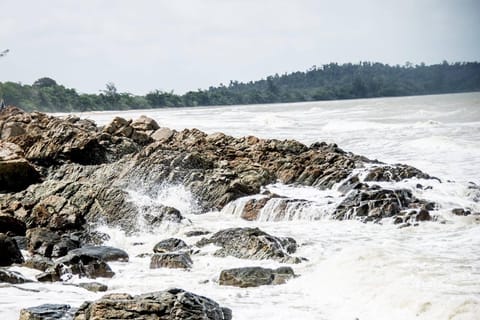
[[47, 312], [172, 304], [396, 172], [49, 243], [255, 276], [104, 253], [252, 243], [144, 123], [173, 260], [170, 245], [16, 173], [9, 251]]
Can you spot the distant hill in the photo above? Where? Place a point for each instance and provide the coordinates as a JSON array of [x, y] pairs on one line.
[[328, 82]]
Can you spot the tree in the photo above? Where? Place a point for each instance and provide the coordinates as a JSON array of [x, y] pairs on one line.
[[45, 82]]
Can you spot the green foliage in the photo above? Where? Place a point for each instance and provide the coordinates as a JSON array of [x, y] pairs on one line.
[[327, 82]]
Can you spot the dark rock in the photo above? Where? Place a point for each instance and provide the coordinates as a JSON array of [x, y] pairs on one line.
[[93, 286], [104, 253], [47, 312], [397, 172], [461, 212], [9, 251], [21, 242], [158, 214], [196, 233], [81, 265], [173, 304], [12, 226], [12, 277], [423, 215], [179, 260], [16, 173], [41, 241], [255, 276], [252, 243], [170, 245]]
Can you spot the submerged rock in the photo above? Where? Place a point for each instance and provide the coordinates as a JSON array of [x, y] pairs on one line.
[[48, 312], [252, 243], [172, 304], [12, 277], [255, 276]]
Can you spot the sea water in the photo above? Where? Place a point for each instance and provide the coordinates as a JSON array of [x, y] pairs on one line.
[[354, 270]]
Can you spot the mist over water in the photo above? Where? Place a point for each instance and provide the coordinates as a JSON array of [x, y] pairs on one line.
[[354, 270]]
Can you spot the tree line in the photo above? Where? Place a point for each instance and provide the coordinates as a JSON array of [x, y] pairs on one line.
[[327, 82]]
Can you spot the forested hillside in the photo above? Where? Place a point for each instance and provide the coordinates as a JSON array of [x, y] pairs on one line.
[[327, 82]]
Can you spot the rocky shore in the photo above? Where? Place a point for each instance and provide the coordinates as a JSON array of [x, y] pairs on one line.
[[62, 177]]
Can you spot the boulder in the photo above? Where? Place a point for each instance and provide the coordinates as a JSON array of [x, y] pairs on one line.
[[41, 241], [254, 276], [397, 172], [144, 123], [162, 134], [175, 260], [12, 277], [172, 304], [39, 262], [9, 251], [16, 173], [47, 312], [104, 253], [252, 243], [170, 245], [93, 286]]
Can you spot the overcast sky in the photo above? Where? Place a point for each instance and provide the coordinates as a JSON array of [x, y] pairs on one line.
[[189, 44]]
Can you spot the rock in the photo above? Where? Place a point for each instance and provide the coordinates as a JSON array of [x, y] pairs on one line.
[[252, 208], [9, 251], [158, 214], [39, 262], [254, 276], [196, 233], [423, 215], [397, 172], [41, 241], [178, 260], [93, 286], [162, 134], [82, 265], [48, 312], [252, 243], [461, 212], [11, 225], [104, 253], [16, 173], [144, 123], [172, 304], [170, 245], [12, 129], [12, 277], [56, 213]]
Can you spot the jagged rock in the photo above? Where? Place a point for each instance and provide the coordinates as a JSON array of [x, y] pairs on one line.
[[104, 253], [48, 312], [252, 208], [252, 243], [12, 129], [156, 215], [175, 260], [172, 304], [116, 124], [254, 276], [41, 241], [12, 277], [397, 172], [93, 286], [9, 251], [16, 173], [11, 225], [170, 245]]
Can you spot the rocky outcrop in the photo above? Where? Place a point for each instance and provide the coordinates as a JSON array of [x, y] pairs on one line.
[[396, 172], [252, 243], [9, 251], [172, 304], [255, 276], [173, 260], [47, 312], [16, 173]]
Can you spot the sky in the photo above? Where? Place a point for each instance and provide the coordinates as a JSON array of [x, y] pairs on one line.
[[186, 45]]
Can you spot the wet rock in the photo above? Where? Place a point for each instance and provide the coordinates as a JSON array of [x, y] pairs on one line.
[[93, 286], [254, 276], [172, 304], [159, 214], [196, 233], [461, 212], [47, 312], [9, 251], [397, 172], [11, 225], [41, 241], [39, 262], [178, 260], [253, 207], [423, 215], [12, 277], [252, 243], [16, 173], [170, 245], [104, 253]]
